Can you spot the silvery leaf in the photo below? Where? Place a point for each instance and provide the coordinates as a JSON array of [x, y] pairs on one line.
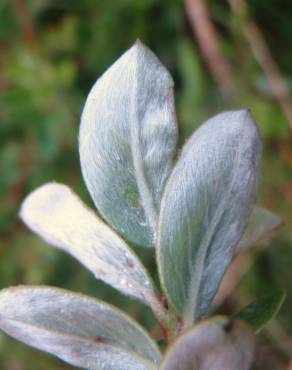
[[55, 213], [205, 208], [215, 344], [80, 330], [259, 312], [127, 142], [261, 224]]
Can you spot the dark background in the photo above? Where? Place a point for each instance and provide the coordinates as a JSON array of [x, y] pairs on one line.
[[51, 52]]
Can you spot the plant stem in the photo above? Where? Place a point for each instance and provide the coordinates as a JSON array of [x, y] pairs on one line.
[[208, 39], [167, 320]]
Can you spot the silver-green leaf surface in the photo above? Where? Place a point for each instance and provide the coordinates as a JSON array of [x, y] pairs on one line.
[[217, 344], [80, 330], [205, 208], [127, 142], [55, 213], [261, 225]]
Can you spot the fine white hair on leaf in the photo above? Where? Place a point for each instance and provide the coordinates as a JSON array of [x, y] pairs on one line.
[[214, 344], [56, 214], [127, 142], [82, 331], [205, 208]]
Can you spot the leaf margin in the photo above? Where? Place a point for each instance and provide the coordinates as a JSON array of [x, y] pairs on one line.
[[84, 298], [244, 314]]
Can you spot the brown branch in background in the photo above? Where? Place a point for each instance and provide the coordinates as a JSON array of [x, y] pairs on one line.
[[232, 278], [208, 40], [263, 56], [284, 342], [24, 20]]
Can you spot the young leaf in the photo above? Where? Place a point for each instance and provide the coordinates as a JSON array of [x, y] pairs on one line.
[[127, 142], [80, 330], [205, 208], [55, 213], [215, 344], [261, 224], [259, 312]]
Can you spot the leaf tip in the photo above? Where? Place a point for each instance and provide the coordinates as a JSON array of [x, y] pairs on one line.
[[33, 201], [138, 42]]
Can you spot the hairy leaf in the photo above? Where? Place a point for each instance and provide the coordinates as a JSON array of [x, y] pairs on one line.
[[215, 344], [55, 213], [80, 330], [127, 142], [205, 208], [261, 224], [262, 310]]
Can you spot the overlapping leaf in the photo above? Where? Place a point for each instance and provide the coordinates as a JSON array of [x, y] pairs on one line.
[[55, 213], [262, 310], [215, 344], [261, 225], [127, 142], [205, 208], [80, 330]]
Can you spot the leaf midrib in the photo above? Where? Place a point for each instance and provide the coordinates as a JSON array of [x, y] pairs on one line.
[[143, 186], [138, 357], [194, 287]]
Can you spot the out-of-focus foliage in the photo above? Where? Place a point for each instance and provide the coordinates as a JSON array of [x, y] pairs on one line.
[[51, 52]]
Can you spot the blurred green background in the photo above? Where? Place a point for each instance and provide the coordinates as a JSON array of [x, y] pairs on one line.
[[52, 51]]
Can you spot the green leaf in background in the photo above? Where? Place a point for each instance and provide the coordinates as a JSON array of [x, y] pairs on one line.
[[205, 208], [262, 310], [55, 213], [262, 223], [214, 344], [127, 140], [192, 94], [80, 330]]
